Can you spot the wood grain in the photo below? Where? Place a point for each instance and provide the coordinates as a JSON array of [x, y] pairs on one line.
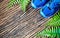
[[14, 23]]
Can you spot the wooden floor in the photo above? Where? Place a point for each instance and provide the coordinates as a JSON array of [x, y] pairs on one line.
[[14, 23]]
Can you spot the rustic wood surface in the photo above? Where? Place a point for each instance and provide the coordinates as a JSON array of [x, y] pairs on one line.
[[14, 23]]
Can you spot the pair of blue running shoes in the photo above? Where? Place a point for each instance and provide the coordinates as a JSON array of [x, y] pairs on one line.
[[48, 7]]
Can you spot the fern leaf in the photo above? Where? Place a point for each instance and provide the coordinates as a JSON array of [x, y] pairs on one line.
[[51, 32], [22, 3], [55, 20], [11, 3]]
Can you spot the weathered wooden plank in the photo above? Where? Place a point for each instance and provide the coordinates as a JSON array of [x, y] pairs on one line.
[[14, 23], [3, 4]]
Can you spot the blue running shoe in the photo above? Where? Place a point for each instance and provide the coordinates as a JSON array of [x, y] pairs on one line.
[[49, 9], [38, 3]]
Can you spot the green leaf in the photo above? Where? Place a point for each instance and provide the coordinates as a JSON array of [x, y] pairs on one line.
[[53, 29], [11, 3], [50, 32], [22, 3], [55, 20]]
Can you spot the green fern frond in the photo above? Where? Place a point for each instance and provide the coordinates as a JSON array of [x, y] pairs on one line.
[[51, 32], [55, 20], [11, 3], [22, 3]]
